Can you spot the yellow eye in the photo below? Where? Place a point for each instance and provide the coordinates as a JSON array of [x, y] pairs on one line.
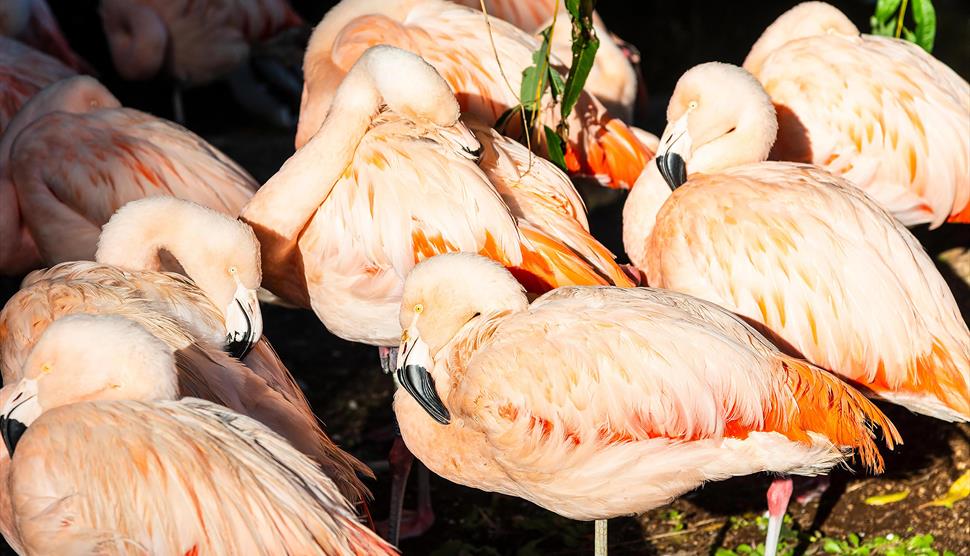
[[692, 105], [418, 308], [232, 270], [46, 368]]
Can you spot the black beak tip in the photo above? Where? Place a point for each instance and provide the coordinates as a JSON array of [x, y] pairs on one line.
[[238, 348], [12, 430], [418, 382], [673, 169]]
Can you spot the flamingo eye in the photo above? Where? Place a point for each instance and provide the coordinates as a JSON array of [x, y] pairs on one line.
[[692, 105], [418, 308], [232, 270]]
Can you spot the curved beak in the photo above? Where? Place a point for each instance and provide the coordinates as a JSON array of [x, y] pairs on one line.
[[414, 360], [464, 140], [244, 322], [674, 150], [19, 411]]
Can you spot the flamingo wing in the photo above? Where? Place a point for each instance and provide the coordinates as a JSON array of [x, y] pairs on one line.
[[455, 40], [541, 197], [23, 72], [73, 171], [881, 112], [620, 377], [187, 477], [840, 280]]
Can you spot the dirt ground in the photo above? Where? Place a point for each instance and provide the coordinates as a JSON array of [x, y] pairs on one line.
[[346, 388]]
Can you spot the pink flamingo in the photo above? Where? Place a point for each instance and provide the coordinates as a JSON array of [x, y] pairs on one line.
[[613, 79], [23, 72], [794, 248], [31, 22], [600, 402], [878, 111], [393, 177], [73, 155], [185, 476], [455, 40], [210, 308], [195, 42]]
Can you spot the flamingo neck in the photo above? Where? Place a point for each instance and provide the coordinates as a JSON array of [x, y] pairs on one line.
[[284, 205], [640, 211]]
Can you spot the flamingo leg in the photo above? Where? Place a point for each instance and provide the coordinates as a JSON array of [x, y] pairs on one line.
[[778, 495], [401, 460], [600, 538]]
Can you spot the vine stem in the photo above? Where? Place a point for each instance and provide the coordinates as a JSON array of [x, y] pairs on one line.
[[902, 16]]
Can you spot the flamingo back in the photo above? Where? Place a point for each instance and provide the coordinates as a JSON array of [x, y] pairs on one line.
[[882, 113], [840, 280], [236, 487]]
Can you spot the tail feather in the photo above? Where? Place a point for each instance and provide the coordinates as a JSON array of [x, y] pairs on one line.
[[612, 153], [827, 406], [962, 217], [554, 265]]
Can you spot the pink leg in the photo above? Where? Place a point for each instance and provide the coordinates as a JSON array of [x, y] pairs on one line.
[[778, 494], [401, 459]]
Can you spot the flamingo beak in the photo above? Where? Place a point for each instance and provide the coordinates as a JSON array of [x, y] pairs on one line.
[[23, 403], [412, 374], [675, 148], [467, 145], [244, 322]]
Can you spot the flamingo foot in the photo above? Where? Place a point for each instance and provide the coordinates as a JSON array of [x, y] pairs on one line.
[[417, 522], [388, 357]]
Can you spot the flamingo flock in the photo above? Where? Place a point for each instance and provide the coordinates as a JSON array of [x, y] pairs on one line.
[[774, 288]]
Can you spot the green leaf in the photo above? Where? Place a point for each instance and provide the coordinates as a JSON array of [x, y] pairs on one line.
[[557, 84], [535, 78], [584, 46], [909, 35], [725, 552], [886, 9], [883, 21], [744, 549], [556, 148], [854, 539], [925, 17], [832, 546]]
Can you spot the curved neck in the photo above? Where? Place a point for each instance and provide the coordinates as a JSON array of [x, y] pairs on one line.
[[640, 213], [282, 207], [160, 241], [751, 140]]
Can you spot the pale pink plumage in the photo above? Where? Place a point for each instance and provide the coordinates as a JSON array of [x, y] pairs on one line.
[[454, 39], [377, 190], [797, 249], [74, 156], [599, 402], [23, 72], [881, 112], [194, 41], [185, 477]]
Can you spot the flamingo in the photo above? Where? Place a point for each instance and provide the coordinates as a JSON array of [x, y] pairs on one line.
[[31, 22], [195, 42], [878, 111], [23, 72], [73, 155], [595, 402], [456, 41], [376, 190], [211, 306], [185, 477], [613, 78], [794, 248]]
